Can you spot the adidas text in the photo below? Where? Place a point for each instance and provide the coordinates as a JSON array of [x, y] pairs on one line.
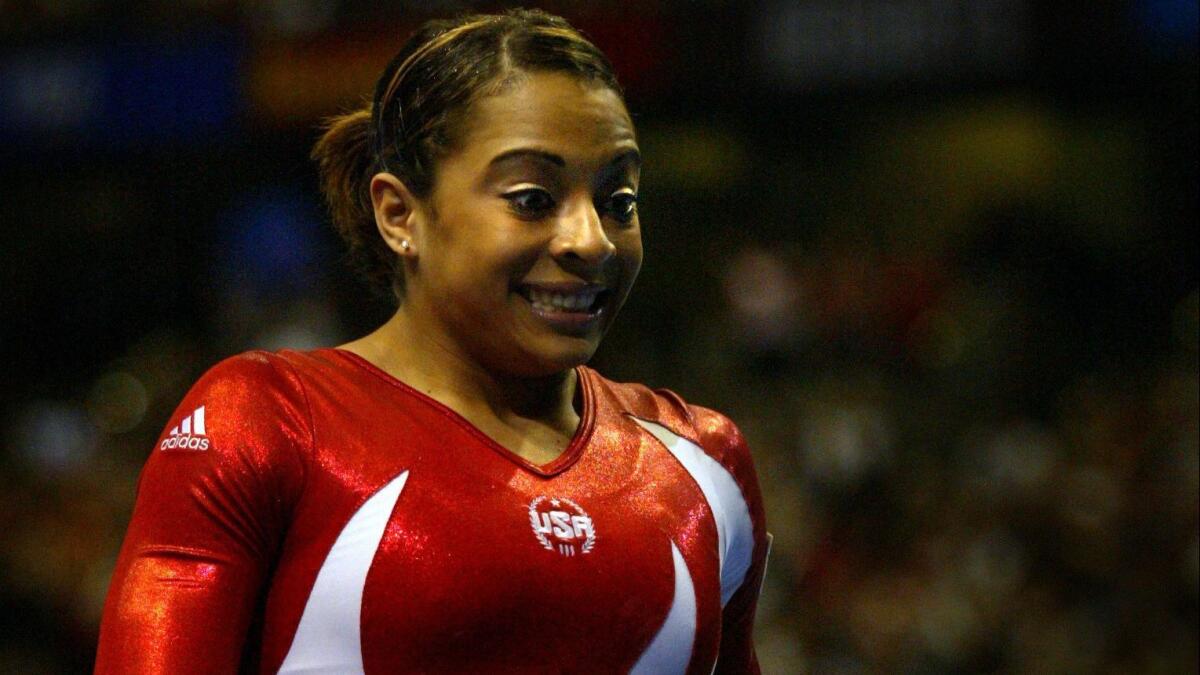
[[189, 435], [184, 442]]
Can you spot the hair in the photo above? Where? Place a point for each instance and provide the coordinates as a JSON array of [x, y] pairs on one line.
[[416, 117]]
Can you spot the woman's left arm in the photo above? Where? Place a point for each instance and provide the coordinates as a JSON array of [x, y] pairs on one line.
[[737, 653], [725, 443]]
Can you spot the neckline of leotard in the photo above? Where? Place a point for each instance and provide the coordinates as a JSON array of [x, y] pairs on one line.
[[565, 460]]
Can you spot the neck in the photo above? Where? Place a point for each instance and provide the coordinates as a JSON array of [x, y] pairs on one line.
[[434, 365]]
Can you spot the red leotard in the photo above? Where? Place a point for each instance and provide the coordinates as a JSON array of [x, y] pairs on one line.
[[307, 512]]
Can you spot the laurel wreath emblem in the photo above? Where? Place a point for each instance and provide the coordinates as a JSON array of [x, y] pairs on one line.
[[534, 522]]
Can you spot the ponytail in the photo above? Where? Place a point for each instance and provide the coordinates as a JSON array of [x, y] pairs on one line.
[[345, 157]]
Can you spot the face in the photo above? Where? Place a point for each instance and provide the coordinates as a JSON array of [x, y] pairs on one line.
[[531, 241]]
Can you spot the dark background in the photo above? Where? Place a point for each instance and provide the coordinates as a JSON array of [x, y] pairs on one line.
[[937, 258]]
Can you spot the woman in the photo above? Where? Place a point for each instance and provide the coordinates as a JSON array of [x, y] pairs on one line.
[[454, 492]]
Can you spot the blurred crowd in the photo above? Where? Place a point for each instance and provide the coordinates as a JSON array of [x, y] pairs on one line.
[[946, 286]]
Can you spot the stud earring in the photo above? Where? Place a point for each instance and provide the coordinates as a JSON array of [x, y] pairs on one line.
[[404, 244]]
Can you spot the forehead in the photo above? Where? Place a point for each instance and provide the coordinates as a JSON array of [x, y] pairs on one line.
[[553, 112]]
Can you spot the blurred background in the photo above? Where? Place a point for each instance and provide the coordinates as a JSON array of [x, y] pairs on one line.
[[937, 258]]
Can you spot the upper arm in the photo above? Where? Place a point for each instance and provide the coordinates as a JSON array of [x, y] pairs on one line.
[[723, 441], [206, 524]]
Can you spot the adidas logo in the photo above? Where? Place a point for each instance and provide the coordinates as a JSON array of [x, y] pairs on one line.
[[189, 435]]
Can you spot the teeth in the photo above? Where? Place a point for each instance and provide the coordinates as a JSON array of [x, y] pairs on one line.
[[548, 301]]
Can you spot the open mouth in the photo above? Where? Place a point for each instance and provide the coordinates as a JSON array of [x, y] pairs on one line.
[[587, 300]]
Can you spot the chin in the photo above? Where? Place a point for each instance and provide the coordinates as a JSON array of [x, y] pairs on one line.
[[552, 360]]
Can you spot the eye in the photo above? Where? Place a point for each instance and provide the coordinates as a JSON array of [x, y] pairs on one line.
[[530, 202], [622, 206]]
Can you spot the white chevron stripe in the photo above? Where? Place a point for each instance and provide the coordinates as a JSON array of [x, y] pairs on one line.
[[328, 639], [735, 531], [671, 650]]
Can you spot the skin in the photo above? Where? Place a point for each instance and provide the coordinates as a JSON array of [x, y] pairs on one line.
[[539, 193]]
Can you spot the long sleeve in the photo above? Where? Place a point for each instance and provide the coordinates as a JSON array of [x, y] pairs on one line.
[[737, 653], [213, 502], [723, 441]]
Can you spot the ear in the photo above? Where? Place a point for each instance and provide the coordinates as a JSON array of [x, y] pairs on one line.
[[399, 215]]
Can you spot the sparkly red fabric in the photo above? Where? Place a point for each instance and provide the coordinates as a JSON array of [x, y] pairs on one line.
[[226, 542]]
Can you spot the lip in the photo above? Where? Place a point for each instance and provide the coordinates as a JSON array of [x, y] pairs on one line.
[[562, 286], [572, 322]]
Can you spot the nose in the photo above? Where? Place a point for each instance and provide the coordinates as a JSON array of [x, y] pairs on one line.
[[581, 239]]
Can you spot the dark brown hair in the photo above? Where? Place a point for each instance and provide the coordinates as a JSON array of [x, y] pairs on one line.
[[421, 100]]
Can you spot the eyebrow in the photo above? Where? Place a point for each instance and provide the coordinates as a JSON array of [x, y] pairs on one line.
[[630, 155]]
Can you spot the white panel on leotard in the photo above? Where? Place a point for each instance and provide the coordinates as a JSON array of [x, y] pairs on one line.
[[328, 639], [671, 650], [735, 531]]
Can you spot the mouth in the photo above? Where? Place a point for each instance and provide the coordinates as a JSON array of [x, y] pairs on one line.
[[567, 305]]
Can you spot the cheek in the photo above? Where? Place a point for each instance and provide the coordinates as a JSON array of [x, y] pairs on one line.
[[629, 248], [475, 246], [483, 274]]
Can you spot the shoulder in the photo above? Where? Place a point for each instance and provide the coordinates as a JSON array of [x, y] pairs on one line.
[[712, 431], [260, 369], [253, 400], [237, 447], [661, 406], [260, 377], [720, 437]]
